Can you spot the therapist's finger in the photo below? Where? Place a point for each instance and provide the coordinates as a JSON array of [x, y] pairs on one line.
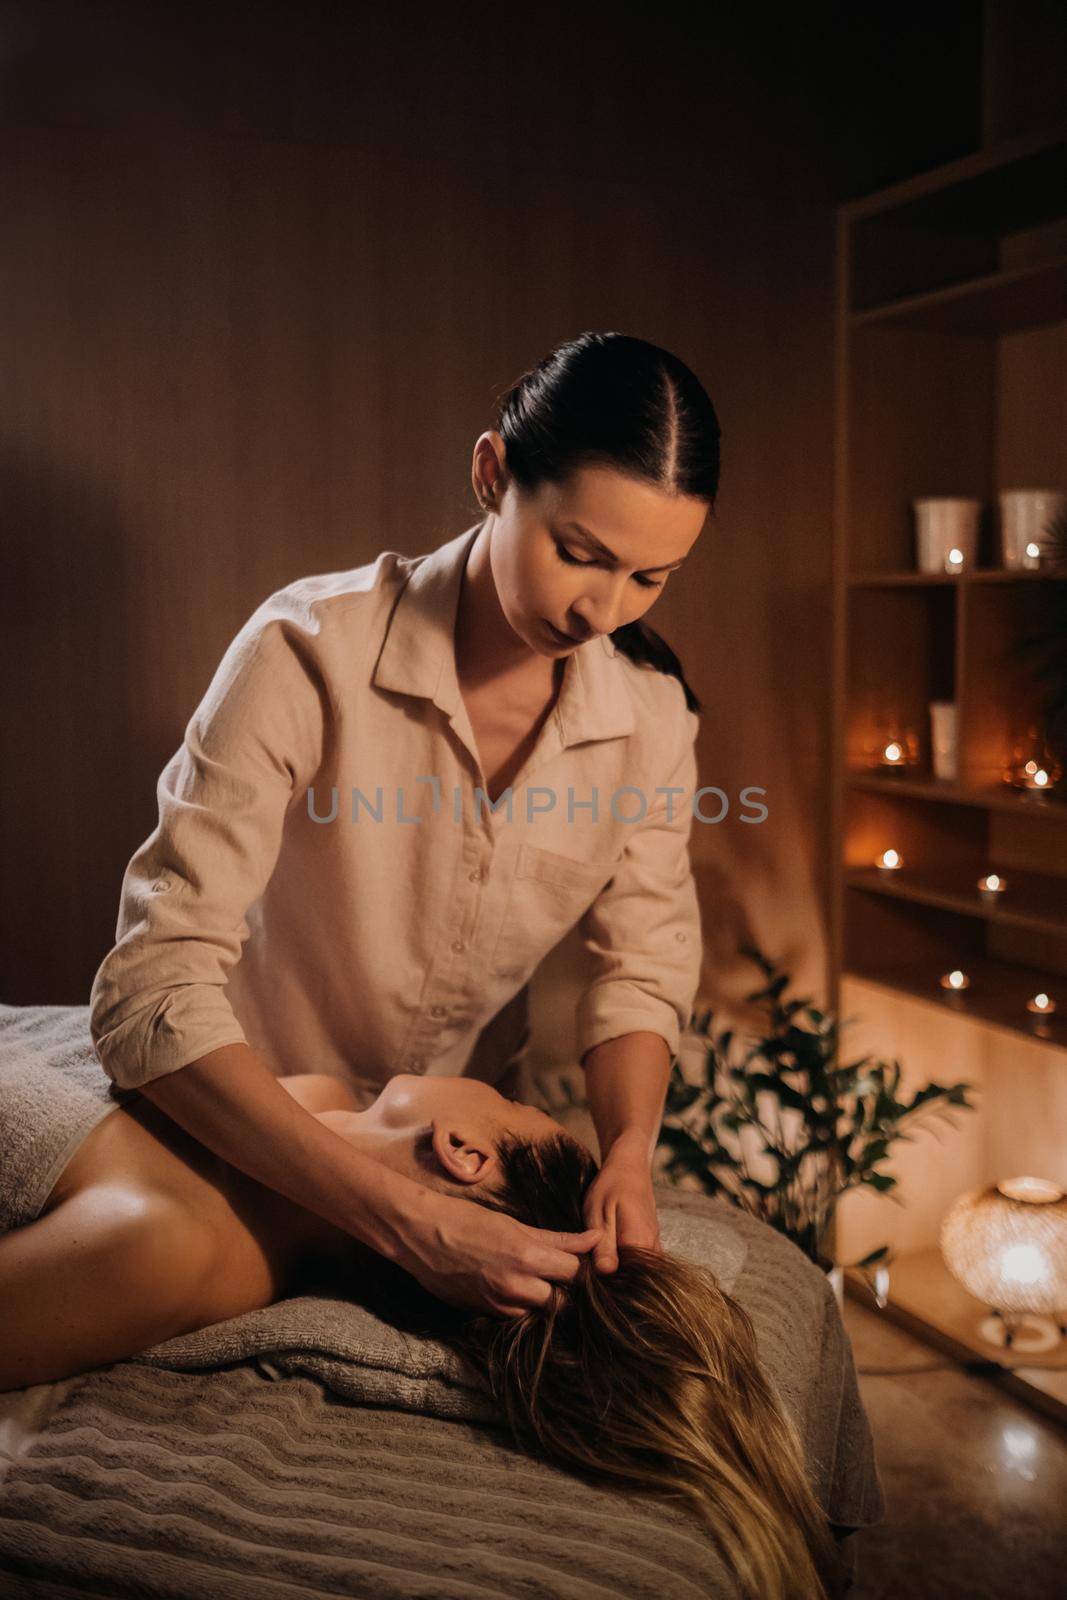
[[558, 1256], [606, 1255]]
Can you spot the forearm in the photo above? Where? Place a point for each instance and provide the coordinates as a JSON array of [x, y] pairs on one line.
[[626, 1086], [232, 1103]]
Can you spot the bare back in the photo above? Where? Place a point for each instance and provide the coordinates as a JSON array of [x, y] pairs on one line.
[[270, 1246]]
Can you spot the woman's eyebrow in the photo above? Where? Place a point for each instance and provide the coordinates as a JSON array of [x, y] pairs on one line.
[[666, 566]]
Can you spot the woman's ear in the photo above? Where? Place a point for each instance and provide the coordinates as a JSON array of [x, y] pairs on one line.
[[465, 1159]]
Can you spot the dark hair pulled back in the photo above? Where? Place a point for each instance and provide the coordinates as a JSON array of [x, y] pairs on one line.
[[610, 400]]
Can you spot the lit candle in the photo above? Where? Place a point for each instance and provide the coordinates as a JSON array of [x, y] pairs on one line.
[[955, 980], [1032, 767], [992, 888], [890, 861], [1032, 556], [1041, 1005], [893, 753], [954, 560]]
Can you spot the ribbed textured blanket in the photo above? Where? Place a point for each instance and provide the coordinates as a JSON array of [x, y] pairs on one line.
[[156, 1485]]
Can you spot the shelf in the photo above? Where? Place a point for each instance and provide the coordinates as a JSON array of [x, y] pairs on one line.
[[989, 797], [1025, 173], [925, 1299], [996, 999], [996, 303], [983, 575], [1033, 901]]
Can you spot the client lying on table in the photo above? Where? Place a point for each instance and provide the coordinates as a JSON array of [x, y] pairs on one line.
[[647, 1375]]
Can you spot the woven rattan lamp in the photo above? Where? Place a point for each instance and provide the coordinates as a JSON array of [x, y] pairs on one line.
[[1007, 1245]]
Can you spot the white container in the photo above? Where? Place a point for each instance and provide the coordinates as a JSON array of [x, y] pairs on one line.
[[1024, 518], [946, 533], [944, 748]]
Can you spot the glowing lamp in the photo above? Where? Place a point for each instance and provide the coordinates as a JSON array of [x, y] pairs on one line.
[[1007, 1246]]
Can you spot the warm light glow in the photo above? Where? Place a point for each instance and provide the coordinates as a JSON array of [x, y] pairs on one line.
[[1041, 1005], [1036, 1191], [1007, 1245], [1033, 550], [1020, 1448], [890, 860], [1032, 766], [954, 560], [893, 752], [1023, 1263], [956, 979], [992, 886]]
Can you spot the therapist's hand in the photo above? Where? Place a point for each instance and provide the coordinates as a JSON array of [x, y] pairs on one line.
[[469, 1255], [620, 1200]]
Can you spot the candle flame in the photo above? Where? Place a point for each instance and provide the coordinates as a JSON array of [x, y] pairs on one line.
[[1042, 1002]]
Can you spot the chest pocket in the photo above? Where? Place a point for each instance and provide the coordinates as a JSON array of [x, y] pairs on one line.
[[548, 894]]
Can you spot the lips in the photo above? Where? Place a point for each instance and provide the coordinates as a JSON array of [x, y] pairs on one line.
[[567, 638]]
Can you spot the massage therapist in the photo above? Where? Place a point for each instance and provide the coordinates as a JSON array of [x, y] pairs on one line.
[[256, 940]]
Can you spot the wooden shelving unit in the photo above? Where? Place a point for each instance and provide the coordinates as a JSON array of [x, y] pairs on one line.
[[951, 380]]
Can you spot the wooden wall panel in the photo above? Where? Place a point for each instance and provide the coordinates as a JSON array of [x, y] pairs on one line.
[[262, 278]]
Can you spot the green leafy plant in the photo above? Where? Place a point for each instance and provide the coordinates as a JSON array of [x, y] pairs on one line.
[[822, 1128]]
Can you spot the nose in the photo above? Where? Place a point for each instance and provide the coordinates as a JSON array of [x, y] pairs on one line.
[[587, 620], [598, 612]]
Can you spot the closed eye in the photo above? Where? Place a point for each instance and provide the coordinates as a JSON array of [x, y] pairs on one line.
[[573, 561]]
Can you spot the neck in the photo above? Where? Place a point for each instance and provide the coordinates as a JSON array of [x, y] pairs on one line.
[[487, 647], [365, 1133]]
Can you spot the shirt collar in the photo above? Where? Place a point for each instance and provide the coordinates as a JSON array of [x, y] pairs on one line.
[[418, 654]]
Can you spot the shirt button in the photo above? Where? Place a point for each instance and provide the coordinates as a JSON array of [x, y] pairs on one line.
[[458, 946], [681, 937], [438, 1011]]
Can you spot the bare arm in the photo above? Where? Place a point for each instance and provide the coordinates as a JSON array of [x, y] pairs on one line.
[[626, 1083], [231, 1102], [626, 1086]]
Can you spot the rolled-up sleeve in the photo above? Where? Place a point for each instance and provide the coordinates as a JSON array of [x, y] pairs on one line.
[[643, 930], [249, 750]]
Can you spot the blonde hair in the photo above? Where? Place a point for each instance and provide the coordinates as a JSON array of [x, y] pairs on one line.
[[647, 1377]]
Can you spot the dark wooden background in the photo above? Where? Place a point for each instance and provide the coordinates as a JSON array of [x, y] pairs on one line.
[[264, 270]]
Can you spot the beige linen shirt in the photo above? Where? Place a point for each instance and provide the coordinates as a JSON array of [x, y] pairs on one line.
[[329, 883]]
